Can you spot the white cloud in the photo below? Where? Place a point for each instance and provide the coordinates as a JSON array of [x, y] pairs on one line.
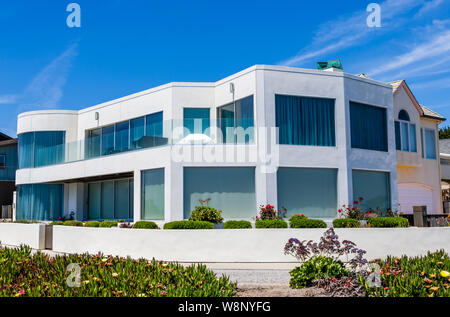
[[429, 6], [8, 99]]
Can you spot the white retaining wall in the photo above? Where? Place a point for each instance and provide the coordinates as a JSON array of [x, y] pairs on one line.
[[15, 234], [247, 245]]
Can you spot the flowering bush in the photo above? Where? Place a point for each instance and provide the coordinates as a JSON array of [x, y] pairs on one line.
[[38, 275], [268, 212], [206, 213]]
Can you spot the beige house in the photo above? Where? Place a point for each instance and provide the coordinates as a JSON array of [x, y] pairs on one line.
[[417, 143]]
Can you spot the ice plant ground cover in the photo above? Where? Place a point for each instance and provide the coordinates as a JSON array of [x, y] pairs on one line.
[[23, 274]]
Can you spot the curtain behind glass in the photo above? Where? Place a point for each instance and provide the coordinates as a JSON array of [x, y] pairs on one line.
[[107, 200], [40, 202], [412, 138], [95, 194], [368, 127], [308, 191], [26, 150], [152, 194], [231, 189], [373, 187], [121, 203], [49, 148], [137, 132], [11, 160], [122, 136], [305, 120]]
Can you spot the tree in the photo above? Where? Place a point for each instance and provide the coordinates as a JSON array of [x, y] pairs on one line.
[[444, 133]]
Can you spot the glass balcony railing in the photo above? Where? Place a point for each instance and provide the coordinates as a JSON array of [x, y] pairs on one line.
[[8, 173], [131, 138]]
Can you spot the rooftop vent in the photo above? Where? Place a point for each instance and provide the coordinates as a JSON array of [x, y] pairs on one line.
[[334, 65]]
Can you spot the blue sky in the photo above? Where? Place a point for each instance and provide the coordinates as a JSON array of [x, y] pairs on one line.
[[124, 47]]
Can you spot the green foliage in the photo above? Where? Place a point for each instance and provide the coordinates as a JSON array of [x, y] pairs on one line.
[[444, 133], [297, 217], [317, 267], [387, 222], [73, 223], [271, 223], [425, 276], [234, 224], [38, 275], [206, 213], [94, 224], [346, 223], [56, 223], [108, 224], [25, 221], [145, 225], [189, 225], [303, 222]]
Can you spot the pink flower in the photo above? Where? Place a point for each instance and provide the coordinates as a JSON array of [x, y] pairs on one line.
[[163, 293]]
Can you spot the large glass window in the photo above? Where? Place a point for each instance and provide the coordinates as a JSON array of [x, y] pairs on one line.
[[230, 189], [405, 133], [93, 143], [152, 194], [137, 132], [308, 191], [196, 120], [40, 202], [305, 120], [374, 188], [368, 127], [122, 137], [108, 140], [110, 200], [43, 148], [430, 144], [236, 121]]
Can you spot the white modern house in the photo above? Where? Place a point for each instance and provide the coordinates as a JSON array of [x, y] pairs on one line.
[[306, 140]]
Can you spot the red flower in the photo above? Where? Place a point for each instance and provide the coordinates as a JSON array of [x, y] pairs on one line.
[[355, 202], [360, 198]]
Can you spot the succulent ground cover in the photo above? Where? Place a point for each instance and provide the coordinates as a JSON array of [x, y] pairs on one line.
[[23, 274]]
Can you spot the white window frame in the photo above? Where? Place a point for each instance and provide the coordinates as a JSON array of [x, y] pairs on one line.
[[409, 124]]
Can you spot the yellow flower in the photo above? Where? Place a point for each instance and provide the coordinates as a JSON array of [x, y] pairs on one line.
[[165, 265], [445, 274], [86, 282], [115, 275], [434, 288], [104, 260]]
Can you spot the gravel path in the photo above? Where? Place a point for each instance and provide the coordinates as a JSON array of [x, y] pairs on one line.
[[260, 277]]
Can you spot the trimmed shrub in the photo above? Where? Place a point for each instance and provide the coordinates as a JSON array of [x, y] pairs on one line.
[[23, 221], [145, 225], [94, 224], [187, 224], [315, 268], [307, 223], [56, 223], [346, 223], [234, 224], [108, 224], [271, 223], [73, 223], [206, 213], [388, 222], [297, 217]]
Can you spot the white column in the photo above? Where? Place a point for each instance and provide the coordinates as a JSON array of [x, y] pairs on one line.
[[137, 196]]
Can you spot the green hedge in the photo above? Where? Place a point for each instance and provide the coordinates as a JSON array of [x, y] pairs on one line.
[[73, 223], [307, 223], [56, 223], [234, 224], [93, 224], [108, 224], [388, 222], [346, 223], [187, 224], [271, 223], [145, 225]]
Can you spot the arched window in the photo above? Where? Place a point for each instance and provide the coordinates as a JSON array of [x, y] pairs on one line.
[[403, 115], [405, 133]]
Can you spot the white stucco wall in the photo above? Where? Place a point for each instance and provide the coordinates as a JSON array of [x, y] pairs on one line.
[[251, 245], [15, 234]]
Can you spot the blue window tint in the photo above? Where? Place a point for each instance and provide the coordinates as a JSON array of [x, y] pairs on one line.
[[108, 140], [93, 143], [122, 137], [121, 199], [137, 132], [43, 148], [368, 127], [398, 136], [236, 121], [2, 161], [8, 162], [412, 138], [405, 136], [305, 121], [41, 202], [154, 131], [374, 188], [230, 189], [107, 200], [430, 143], [152, 194], [196, 120], [308, 191], [94, 199]]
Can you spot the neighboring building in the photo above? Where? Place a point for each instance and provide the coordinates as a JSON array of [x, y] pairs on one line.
[[444, 149], [132, 158], [8, 167], [416, 138]]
